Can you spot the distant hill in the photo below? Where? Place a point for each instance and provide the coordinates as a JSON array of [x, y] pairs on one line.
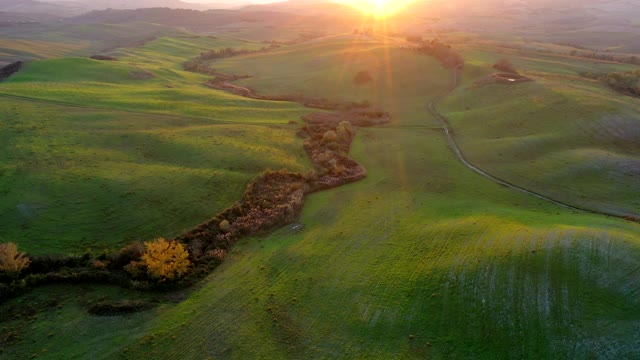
[[620, 11], [38, 7], [8, 18], [592, 23], [306, 7], [70, 8], [140, 4], [214, 19]]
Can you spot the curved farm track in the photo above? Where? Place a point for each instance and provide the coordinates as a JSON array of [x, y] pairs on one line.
[[446, 126]]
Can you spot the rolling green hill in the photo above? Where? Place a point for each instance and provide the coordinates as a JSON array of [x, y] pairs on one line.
[[401, 81], [53, 40], [81, 178], [77, 173], [561, 135], [422, 259]]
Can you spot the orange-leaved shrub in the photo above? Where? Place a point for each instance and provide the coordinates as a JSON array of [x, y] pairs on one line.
[[165, 260], [224, 225], [11, 260]]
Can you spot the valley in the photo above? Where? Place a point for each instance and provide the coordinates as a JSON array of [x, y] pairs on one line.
[[428, 256]]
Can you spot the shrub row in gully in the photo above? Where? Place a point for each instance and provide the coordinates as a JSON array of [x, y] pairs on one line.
[[273, 199]]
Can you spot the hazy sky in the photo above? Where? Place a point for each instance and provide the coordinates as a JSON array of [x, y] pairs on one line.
[[231, 2], [236, 2]]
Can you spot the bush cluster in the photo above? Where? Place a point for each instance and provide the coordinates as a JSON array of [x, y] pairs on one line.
[[505, 65], [103, 58], [10, 69], [362, 77], [199, 63], [625, 82], [443, 52]]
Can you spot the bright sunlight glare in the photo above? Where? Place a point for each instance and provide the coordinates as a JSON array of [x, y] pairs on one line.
[[378, 8]]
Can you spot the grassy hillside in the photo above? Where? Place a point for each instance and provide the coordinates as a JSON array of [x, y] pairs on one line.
[[562, 135], [419, 248], [76, 178], [14, 49], [39, 40], [113, 84], [78, 174], [422, 259], [326, 68]]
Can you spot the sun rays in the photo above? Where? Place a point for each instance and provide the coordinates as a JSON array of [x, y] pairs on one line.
[[379, 8]]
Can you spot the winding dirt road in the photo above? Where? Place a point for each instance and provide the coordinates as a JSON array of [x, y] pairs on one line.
[[448, 131]]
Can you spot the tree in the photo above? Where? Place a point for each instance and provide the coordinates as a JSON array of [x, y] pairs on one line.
[[345, 132], [329, 137], [12, 261], [362, 77], [165, 260], [505, 65], [414, 39]]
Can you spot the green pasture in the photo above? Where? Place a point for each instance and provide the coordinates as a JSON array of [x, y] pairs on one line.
[[113, 84], [570, 138], [75, 178], [50, 40], [422, 259], [326, 68]]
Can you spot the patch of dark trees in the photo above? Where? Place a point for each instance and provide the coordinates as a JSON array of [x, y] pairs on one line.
[[222, 82], [301, 38], [627, 83], [582, 52], [366, 30], [448, 56], [10, 69], [362, 78], [607, 56], [416, 39], [134, 43], [505, 65], [103, 58], [199, 63]]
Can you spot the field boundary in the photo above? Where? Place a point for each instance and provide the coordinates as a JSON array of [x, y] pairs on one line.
[[453, 144]]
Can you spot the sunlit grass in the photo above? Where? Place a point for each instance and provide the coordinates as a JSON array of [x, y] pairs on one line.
[[422, 247], [378, 8]]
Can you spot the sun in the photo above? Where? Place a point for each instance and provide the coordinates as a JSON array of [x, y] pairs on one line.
[[378, 8]]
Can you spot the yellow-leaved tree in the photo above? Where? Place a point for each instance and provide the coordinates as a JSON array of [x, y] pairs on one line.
[[165, 260], [11, 260]]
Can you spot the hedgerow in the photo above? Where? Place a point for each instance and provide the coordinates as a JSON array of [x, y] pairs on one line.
[[274, 198]]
